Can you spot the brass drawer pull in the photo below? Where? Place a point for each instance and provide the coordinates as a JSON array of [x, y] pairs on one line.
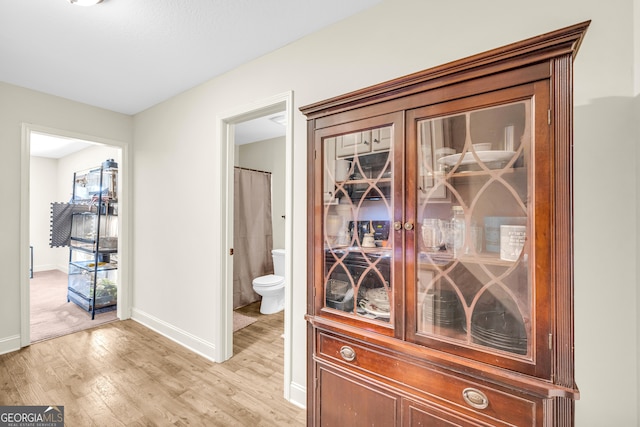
[[347, 353], [475, 398]]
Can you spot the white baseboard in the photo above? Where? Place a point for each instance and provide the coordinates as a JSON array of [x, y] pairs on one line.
[[298, 395], [9, 344], [48, 267], [185, 339]]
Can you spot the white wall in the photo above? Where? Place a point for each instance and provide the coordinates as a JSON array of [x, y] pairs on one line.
[[42, 192], [393, 39], [269, 155], [18, 106]]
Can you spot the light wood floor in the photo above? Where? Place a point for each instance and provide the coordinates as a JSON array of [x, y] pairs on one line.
[[123, 374]]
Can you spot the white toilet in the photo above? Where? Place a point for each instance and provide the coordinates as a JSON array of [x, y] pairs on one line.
[[271, 286]]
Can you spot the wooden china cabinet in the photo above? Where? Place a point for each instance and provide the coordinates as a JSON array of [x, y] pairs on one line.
[[440, 244]]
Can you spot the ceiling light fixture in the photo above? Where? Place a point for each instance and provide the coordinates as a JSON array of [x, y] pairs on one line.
[[279, 119], [85, 2]]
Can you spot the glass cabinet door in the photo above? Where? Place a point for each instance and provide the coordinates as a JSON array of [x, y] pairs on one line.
[[473, 227], [357, 178]]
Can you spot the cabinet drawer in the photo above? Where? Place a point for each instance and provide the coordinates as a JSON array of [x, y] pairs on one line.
[[344, 400], [415, 414], [460, 394]]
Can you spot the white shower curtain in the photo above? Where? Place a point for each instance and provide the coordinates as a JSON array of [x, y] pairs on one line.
[[252, 233]]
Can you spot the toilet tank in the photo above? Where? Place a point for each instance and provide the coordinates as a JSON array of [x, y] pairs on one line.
[[278, 262]]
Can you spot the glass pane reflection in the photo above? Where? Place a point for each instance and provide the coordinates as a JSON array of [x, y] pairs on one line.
[[358, 206], [472, 241]]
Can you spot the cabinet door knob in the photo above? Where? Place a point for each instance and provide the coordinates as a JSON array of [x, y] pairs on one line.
[[347, 353], [475, 398], [397, 225], [408, 225]]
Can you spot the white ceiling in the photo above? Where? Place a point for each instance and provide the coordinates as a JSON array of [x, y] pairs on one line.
[[128, 55], [260, 129], [55, 147]]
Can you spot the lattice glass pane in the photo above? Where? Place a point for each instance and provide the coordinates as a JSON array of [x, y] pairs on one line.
[[472, 240], [357, 212]]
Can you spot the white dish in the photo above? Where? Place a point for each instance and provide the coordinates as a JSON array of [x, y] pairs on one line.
[[372, 309], [444, 151], [484, 156], [376, 294]]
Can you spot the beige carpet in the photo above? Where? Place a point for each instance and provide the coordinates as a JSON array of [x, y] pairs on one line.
[[51, 315], [241, 321]]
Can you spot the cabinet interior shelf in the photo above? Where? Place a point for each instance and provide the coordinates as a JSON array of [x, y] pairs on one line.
[[486, 174], [372, 251], [363, 181], [444, 259]]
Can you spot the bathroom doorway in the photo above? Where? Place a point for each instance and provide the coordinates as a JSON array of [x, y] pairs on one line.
[[281, 106], [259, 213], [49, 159]]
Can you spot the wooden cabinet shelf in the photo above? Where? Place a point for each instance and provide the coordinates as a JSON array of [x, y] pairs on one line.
[[440, 259], [363, 181]]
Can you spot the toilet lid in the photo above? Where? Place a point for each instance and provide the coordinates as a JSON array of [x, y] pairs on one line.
[[268, 280]]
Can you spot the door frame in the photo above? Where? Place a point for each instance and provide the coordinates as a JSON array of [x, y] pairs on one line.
[[282, 102], [124, 216]]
